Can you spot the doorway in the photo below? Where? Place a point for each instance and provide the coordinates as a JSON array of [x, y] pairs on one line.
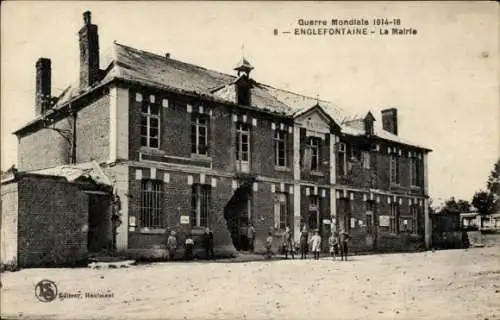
[[371, 224], [99, 237], [238, 215]]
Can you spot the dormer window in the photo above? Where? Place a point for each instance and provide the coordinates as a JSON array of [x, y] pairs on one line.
[[243, 84], [243, 94]]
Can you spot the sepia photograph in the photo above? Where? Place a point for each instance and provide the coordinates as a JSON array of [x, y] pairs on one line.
[[250, 160]]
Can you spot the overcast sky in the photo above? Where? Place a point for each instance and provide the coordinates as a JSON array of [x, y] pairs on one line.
[[444, 80]]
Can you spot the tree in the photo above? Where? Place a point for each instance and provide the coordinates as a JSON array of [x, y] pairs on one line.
[[488, 201], [453, 206], [493, 183], [485, 202]]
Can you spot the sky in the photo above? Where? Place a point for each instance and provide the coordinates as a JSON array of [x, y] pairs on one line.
[[444, 80]]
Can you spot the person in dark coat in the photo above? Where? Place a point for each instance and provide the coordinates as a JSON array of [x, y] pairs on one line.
[[208, 243], [251, 237], [189, 247], [288, 242], [304, 243], [343, 237]]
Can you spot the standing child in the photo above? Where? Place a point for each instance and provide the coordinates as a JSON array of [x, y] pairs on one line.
[[316, 244], [269, 244], [333, 244], [171, 245]]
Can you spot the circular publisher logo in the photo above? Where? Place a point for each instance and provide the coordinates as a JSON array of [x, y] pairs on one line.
[[46, 290]]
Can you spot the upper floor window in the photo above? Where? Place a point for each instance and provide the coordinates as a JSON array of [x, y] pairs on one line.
[[342, 159], [414, 171], [281, 214], [355, 152], [151, 195], [150, 125], [243, 142], [199, 134], [280, 148], [314, 144], [394, 168], [200, 204], [365, 157]]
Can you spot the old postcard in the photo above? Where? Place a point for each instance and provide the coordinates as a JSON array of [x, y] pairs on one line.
[[250, 160]]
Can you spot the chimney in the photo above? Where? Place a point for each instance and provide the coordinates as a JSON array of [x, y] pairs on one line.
[[89, 53], [390, 120], [43, 84]]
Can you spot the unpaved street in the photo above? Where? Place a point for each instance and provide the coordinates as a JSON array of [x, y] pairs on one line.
[[454, 284]]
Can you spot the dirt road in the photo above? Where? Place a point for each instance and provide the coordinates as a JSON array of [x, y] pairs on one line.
[[454, 284]]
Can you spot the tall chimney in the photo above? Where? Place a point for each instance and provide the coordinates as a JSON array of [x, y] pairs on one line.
[[390, 120], [43, 84], [89, 52]]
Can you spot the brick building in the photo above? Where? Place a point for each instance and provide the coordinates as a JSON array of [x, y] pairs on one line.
[[188, 148]]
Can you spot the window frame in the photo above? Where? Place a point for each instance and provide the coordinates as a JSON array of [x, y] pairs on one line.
[[394, 218], [151, 204], [342, 155], [200, 205], [315, 144], [414, 212], [196, 125], [243, 129], [414, 172], [280, 142], [394, 167], [281, 218], [148, 116], [366, 159]]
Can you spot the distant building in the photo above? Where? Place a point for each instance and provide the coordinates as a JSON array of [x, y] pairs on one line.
[[188, 148]]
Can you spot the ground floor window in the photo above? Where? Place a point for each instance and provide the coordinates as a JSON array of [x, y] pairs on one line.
[[370, 217], [281, 214], [414, 219], [151, 203], [200, 204], [394, 218]]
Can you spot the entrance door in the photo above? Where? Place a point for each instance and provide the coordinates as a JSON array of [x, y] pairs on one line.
[[371, 223], [100, 236]]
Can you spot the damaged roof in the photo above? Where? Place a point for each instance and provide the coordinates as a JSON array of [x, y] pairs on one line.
[[90, 170], [149, 69]]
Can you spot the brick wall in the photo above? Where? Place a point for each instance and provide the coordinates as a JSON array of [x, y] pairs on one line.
[[92, 131], [47, 148], [9, 223], [44, 148], [53, 217], [176, 201]]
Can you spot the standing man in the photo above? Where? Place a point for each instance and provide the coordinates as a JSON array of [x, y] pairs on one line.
[[288, 243], [208, 243], [304, 242], [251, 237], [343, 237]]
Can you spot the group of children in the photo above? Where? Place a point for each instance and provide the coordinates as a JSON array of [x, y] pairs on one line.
[[337, 243], [207, 243]]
